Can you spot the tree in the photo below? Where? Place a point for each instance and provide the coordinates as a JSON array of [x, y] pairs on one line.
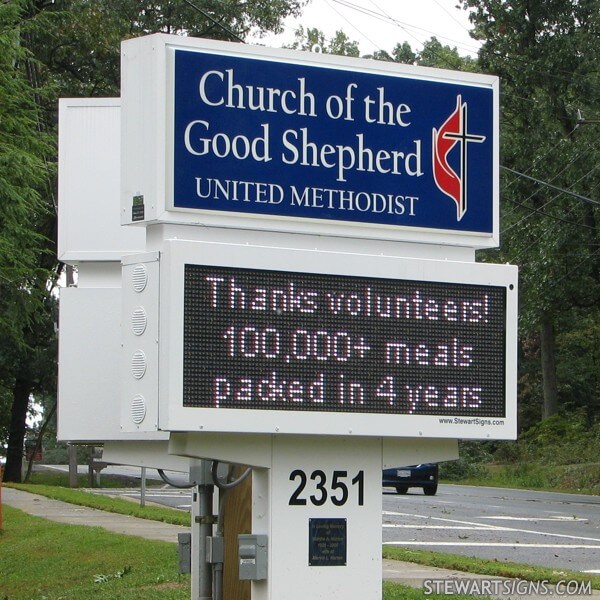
[[49, 50], [312, 38], [25, 273], [81, 48], [435, 54], [546, 54]]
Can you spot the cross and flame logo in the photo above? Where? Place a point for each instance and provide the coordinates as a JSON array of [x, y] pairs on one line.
[[452, 133]]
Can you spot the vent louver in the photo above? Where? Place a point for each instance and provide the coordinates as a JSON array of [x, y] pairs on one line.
[[138, 409], [139, 278], [138, 364], [139, 320]]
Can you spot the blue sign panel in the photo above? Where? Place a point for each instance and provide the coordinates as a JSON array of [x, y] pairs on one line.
[[263, 137]]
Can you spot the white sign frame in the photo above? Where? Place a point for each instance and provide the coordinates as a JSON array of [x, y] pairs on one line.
[[147, 134], [174, 417]]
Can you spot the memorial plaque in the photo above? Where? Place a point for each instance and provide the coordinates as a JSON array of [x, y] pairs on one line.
[[327, 542]]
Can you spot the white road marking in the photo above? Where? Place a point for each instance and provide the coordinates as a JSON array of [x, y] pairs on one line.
[[164, 495], [554, 519], [494, 545], [457, 527], [496, 527], [592, 571]]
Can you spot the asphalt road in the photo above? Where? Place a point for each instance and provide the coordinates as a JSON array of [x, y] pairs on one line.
[[541, 528]]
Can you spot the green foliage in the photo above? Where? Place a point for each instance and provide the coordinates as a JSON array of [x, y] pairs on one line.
[[545, 54], [403, 53], [471, 462], [81, 45], [49, 50], [43, 559], [100, 502], [58, 453], [578, 478], [395, 591], [24, 171], [311, 38], [578, 369], [27, 309], [434, 54], [561, 440], [559, 453], [482, 566]]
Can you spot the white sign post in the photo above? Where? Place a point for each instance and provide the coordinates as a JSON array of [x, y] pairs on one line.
[[325, 533]]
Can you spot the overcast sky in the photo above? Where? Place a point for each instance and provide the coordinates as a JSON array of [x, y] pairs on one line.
[[381, 24]]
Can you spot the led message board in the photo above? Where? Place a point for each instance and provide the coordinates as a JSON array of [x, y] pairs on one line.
[[279, 340], [269, 340], [300, 141]]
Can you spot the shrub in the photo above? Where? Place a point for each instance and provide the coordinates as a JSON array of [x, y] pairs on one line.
[[473, 456]]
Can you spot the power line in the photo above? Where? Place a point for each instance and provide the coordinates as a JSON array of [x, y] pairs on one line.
[[541, 212], [214, 21], [548, 216], [556, 220], [554, 187], [385, 17], [541, 208], [594, 254], [451, 15], [352, 25], [388, 18], [573, 160]]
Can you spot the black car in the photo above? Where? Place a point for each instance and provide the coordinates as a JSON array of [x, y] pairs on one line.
[[424, 476]]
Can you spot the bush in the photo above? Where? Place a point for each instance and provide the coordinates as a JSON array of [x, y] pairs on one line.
[[507, 452], [561, 440], [473, 456]]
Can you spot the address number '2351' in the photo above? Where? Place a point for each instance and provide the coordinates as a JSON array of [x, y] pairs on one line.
[[337, 490]]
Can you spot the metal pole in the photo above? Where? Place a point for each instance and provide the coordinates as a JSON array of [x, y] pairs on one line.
[[72, 451], [202, 528], [143, 488]]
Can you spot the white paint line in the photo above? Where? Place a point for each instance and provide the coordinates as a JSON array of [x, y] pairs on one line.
[[495, 527], [555, 519], [457, 528], [148, 494], [495, 545], [592, 571]]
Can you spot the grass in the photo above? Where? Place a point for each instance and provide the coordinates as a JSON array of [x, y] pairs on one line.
[[107, 503], [393, 591], [43, 560], [40, 559], [576, 479], [169, 587], [492, 568], [61, 478]]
